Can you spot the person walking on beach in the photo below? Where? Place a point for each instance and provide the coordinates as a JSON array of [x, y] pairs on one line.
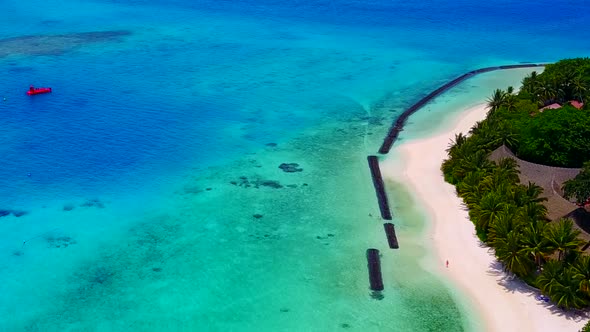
[[447, 263]]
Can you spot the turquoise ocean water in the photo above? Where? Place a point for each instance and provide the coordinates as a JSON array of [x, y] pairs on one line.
[[144, 193]]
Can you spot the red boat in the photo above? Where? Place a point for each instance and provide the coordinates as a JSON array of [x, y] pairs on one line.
[[37, 91]]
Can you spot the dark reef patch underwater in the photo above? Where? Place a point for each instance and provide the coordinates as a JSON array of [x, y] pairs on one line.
[[56, 44], [16, 213]]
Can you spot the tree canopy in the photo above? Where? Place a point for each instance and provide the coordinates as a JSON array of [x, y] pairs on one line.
[[579, 187], [559, 137], [556, 137]]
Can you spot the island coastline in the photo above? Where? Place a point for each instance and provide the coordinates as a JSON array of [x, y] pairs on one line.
[[505, 303]]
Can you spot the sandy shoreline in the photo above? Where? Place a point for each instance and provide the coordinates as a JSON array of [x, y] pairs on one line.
[[504, 304]]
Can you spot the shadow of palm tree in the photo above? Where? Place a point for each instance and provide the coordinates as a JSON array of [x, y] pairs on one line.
[[512, 284]]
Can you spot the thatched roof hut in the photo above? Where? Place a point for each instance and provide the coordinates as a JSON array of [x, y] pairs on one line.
[[550, 178]]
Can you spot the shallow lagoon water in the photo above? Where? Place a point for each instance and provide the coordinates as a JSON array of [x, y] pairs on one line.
[[133, 221]]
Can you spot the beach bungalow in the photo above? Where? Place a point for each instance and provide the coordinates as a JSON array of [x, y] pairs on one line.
[[550, 107], [576, 104]]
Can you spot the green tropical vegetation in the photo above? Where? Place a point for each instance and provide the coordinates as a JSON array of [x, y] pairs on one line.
[[509, 216], [579, 187], [557, 138]]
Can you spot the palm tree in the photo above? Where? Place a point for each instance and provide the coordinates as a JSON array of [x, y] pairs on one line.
[[462, 148], [530, 84], [495, 182], [581, 269], [524, 195], [509, 102], [532, 213], [448, 169], [474, 162], [508, 168], [579, 88], [548, 279], [529, 81], [452, 167], [477, 127], [456, 144], [566, 293], [496, 100], [563, 238], [533, 192], [534, 241], [487, 212], [510, 251], [478, 161], [506, 136], [503, 225], [550, 91], [470, 188]]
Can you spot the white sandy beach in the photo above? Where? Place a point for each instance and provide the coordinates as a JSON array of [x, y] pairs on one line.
[[504, 304]]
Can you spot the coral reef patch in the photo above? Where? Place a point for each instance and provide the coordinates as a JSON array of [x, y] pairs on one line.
[[256, 183], [290, 167], [36, 45], [60, 241], [95, 202], [16, 213]]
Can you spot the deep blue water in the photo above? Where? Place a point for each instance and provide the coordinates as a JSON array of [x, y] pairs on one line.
[[156, 99], [193, 84]]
